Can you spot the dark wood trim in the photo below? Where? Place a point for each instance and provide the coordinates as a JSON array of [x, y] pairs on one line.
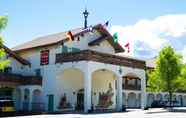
[[16, 56], [90, 55], [20, 79]]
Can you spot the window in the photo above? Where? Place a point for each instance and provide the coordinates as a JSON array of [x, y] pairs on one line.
[[44, 57]]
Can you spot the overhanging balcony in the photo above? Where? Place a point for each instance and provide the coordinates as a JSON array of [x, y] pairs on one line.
[[20, 79], [89, 55]]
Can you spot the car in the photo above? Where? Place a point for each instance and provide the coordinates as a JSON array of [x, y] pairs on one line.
[[7, 106]]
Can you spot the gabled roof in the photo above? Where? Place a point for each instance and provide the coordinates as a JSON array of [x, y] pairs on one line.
[[59, 37], [16, 56]]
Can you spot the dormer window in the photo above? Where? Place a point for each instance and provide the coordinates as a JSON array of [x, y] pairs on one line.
[[44, 57]]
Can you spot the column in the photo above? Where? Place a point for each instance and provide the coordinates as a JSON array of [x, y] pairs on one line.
[[143, 93], [87, 91], [22, 98], [119, 93], [30, 99]]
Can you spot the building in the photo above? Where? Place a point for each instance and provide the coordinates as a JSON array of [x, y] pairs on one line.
[[52, 73]]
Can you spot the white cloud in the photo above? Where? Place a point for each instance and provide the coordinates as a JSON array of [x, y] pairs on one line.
[[146, 37]]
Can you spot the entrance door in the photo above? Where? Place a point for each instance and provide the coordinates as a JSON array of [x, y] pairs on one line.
[[80, 100], [50, 103]]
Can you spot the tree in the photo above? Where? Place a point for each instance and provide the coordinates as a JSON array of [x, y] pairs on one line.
[[3, 61], [169, 65]]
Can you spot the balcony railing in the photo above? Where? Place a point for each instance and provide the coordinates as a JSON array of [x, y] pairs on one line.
[[20, 79], [90, 55], [132, 87]]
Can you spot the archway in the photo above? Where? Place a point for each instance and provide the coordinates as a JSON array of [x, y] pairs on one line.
[[37, 102], [180, 100], [69, 82], [159, 97], [26, 99], [150, 99], [104, 89], [131, 100], [184, 101]]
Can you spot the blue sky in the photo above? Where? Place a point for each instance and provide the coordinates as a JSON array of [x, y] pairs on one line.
[[29, 19]]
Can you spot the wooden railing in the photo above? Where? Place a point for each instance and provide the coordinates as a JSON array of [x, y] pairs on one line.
[[99, 57], [20, 79]]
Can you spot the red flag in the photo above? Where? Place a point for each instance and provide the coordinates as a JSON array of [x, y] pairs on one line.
[[69, 36], [128, 48]]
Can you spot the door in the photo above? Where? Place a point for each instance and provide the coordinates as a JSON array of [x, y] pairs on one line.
[[50, 103], [80, 100]]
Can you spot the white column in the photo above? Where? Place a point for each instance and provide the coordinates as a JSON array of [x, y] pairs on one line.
[[30, 98], [87, 90], [143, 93], [119, 93], [22, 98]]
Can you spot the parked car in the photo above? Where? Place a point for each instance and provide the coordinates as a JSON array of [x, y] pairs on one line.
[[7, 106]]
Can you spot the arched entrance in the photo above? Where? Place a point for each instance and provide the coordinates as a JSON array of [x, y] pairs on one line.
[[37, 103], [26, 100], [70, 84], [104, 89], [131, 101], [184, 101], [80, 100], [159, 97], [150, 99]]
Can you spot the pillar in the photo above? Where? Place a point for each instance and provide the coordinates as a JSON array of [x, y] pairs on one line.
[[119, 93], [143, 93], [22, 98], [30, 99], [87, 90]]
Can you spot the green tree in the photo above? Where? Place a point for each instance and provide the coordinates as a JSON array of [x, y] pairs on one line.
[[3, 61], [168, 69]]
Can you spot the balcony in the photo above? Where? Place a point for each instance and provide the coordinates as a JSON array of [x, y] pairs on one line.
[[20, 79], [131, 87], [89, 55]]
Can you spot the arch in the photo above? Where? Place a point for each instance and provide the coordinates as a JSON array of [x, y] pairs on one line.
[[180, 100], [69, 82], [37, 103], [174, 97], [124, 99], [159, 97], [26, 99], [104, 89], [184, 100], [150, 99], [131, 100], [166, 97]]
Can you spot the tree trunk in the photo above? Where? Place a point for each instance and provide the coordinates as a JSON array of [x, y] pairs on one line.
[[170, 98]]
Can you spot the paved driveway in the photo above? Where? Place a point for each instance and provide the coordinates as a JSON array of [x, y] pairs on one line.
[[151, 113]]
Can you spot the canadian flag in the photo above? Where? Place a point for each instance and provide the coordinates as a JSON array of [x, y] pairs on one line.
[[128, 47]]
